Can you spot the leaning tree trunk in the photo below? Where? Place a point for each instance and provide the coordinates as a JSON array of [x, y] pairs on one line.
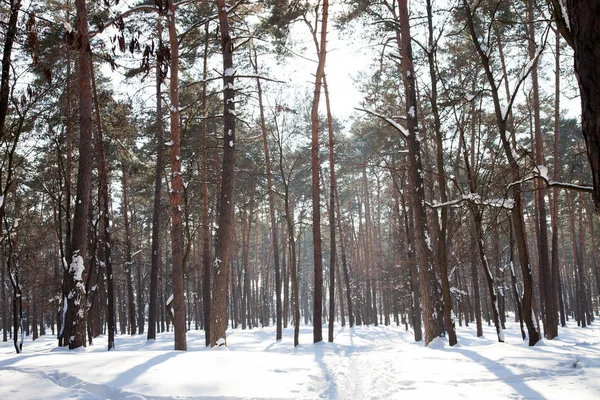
[[224, 246], [73, 326]]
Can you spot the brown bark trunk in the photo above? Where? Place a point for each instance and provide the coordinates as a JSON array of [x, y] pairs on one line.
[[271, 195], [332, 190], [156, 207], [547, 287], [427, 280], [106, 258], [73, 331], [10, 35], [316, 204], [178, 286], [344, 260], [584, 18], [517, 210], [442, 258], [225, 222], [556, 178], [128, 261]]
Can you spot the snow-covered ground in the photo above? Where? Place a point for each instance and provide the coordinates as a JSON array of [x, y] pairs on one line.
[[363, 363]]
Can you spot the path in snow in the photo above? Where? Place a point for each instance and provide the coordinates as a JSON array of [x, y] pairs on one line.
[[362, 363]]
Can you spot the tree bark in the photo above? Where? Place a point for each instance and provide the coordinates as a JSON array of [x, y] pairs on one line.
[[156, 206], [178, 286], [427, 280], [581, 31], [225, 222], [73, 329], [332, 191], [316, 204], [442, 258], [514, 173], [131, 326], [547, 287], [271, 197], [106, 234]]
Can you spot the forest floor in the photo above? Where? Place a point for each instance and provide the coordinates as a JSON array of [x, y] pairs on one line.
[[362, 363]]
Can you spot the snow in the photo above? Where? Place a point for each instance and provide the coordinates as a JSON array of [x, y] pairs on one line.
[[543, 172], [411, 111], [362, 363], [229, 72], [77, 266]]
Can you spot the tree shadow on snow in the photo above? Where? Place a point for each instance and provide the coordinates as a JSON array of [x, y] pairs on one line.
[[131, 374], [516, 381]]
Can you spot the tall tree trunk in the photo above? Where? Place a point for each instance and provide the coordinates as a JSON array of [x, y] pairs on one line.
[[156, 207], [10, 35], [427, 279], [106, 234], [73, 329], [225, 221], [580, 30], [178, 286], [316, 204], [332, 191], [517, 210], [128, 260], [442, 258], [344, 259], [547, 287], [271, 197], [556, 178]]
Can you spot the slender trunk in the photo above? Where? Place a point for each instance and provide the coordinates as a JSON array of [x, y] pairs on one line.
[[128, 261], [332, 190], [316, 204], [156, 207], [427, 280], [547, 287], [556, 177], [344, 259], [106, 234], [442, 258], [271, 196], [178, 286], [517, 210], [225, 222]]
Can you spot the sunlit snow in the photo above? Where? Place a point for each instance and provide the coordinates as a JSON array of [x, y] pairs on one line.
[[362, 363]]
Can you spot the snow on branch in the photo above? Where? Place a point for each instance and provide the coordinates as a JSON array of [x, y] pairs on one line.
[[390, 121], [475, 198], [541, 171]]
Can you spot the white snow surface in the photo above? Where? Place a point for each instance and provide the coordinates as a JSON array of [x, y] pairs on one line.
[[362, 363]]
